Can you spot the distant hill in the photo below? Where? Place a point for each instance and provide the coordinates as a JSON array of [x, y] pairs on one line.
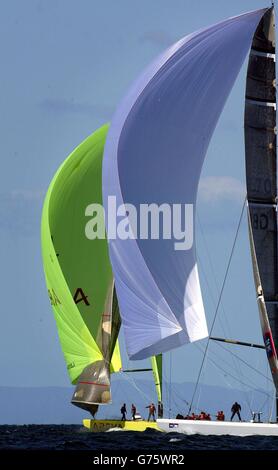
[[51, 405]]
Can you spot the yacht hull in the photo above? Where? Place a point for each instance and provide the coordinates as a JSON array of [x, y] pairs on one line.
[[217, 428], [103, 425]]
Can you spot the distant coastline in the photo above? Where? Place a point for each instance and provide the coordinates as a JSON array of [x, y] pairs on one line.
[[51, 405]]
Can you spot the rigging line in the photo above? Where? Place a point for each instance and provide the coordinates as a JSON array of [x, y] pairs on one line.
[[235, 368], [218, 367], [270, 403], [170, 386], [216, 364], [166, 387], [236, 364], [267, 404], [251, 383], [273, 405], [177, 405], [264, 405], [248, 386], [238, 380], [212, 271], [252, 398], [229, 385], [175, 390], [244, 362], [211, 295], [183, 400], [132, 381], [207, 250], [179, 397], [200, 388], [219, 301]]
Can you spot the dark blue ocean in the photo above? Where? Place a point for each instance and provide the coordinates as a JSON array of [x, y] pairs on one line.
[[75, 437]]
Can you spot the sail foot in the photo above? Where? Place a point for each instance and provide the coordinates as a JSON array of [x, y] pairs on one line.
[[93, 387]]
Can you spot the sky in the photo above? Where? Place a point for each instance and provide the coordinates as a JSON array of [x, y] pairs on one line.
[[65, 66]]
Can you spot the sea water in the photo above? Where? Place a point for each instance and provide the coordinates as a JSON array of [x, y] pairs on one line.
[[74, 437]]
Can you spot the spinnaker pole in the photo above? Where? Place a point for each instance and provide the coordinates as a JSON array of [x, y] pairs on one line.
[[238, 343]]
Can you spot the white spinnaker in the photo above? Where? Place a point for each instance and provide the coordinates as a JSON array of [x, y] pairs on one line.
[[154, 154]]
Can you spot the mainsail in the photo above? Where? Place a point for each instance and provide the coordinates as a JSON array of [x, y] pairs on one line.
[[261, 178], [153, 155], [79, 276]]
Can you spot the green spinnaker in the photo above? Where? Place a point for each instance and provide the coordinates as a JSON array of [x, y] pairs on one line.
[[77, 270]]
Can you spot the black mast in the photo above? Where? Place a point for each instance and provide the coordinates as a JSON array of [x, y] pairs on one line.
[[261, 179]]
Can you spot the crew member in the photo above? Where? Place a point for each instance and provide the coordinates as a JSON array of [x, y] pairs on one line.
[[152, 410], [236, 408], [220, 416], [133, 411], [123, 411]]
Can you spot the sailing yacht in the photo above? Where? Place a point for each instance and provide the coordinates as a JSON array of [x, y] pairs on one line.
[[153, 153]]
